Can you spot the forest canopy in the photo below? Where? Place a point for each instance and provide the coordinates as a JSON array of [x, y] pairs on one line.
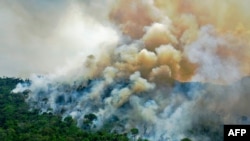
[[18, 123]]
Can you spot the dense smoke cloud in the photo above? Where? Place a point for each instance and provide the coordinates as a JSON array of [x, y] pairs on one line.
[[170, 68]]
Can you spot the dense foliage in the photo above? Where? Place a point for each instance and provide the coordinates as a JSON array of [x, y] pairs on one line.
[[17, 123]]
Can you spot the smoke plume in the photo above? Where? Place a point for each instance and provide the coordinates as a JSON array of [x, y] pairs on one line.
[[172, 69]]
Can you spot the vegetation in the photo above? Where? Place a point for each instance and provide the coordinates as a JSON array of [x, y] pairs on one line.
[[17, 123], [186, 139], [88, 121], [134, 132]]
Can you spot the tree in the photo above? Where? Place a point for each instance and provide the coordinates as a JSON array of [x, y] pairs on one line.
[[186, 139], [69, 121], [134, 132], [88, 121], [140, 139]]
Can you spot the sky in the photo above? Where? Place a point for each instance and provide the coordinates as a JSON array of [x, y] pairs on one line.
[[43, 36]]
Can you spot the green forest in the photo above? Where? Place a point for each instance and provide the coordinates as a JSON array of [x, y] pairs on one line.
[[17, 123]]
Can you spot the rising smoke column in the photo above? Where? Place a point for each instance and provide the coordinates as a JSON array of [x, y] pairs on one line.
[[166, 67]]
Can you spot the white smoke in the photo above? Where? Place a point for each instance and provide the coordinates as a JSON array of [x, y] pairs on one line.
[[204, 51]]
